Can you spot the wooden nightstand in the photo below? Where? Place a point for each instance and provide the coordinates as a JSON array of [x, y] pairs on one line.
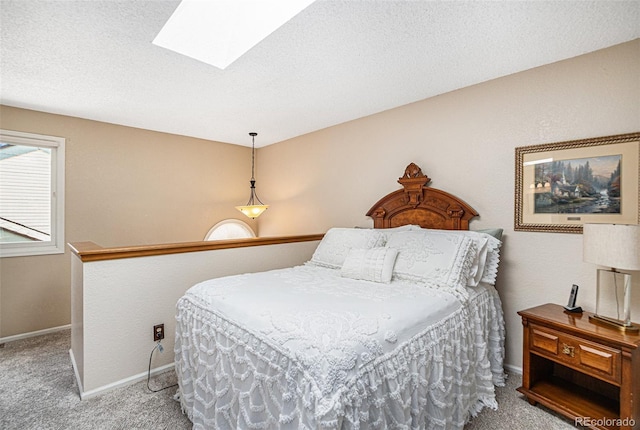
[[584, 371]]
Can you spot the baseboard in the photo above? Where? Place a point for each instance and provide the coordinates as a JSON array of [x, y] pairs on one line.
[[513, 369], [121, 383], [34, 333], [75, 372]]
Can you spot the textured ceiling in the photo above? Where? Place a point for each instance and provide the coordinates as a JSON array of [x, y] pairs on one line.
[[334, 62]]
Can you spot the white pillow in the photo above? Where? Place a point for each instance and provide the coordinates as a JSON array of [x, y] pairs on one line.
[[488, 266], [375, 264], [488, 256], [336, 243], [434, 257], [477, 267], [485, 265], [493, 261]]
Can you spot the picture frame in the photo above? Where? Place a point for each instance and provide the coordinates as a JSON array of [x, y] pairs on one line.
[[561, 186]]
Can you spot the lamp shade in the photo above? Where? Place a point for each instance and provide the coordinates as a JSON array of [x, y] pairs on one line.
[[252, 211], [612, 245]]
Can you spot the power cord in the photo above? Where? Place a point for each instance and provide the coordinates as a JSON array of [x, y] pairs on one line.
[[160, 348]]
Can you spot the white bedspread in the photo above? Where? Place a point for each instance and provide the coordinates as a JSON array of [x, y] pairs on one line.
[[305, 348]]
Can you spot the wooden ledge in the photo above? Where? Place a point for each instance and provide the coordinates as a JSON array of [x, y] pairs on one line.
[[89, 251]]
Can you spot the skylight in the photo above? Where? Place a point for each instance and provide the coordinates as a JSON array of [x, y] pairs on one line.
[[218, 32]]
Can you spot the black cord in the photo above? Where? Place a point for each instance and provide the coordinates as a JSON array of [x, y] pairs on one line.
[[149, 372]]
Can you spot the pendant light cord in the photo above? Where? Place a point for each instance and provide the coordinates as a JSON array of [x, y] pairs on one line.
[[253, 209], [253, 153]]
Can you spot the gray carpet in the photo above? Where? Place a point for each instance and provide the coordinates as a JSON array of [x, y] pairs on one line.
[[38, 391]]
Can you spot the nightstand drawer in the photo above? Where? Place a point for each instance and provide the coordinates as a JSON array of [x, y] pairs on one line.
[[588, 357]]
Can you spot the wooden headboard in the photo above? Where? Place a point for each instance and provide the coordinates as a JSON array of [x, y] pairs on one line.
[[420, 205]]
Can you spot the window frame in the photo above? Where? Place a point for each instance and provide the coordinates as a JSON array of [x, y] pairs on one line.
[[56, 244], [244, 225]]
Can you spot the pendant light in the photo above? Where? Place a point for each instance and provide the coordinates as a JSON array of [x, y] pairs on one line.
[[253, 209]]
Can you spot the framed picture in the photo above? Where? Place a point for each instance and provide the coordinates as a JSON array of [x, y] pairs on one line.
[[561, 186]]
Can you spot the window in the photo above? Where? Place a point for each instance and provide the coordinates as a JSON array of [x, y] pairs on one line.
[[31, 194], [230, 229]]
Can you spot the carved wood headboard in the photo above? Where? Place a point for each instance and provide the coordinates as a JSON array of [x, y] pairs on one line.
[[420, 205]]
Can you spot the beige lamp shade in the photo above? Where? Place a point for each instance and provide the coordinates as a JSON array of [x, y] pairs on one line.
[[612, 245], [252, 211]]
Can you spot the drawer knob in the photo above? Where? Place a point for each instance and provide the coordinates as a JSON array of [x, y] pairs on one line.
[[568, 350]]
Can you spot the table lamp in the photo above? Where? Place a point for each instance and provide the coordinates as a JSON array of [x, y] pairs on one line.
[[616, 246]]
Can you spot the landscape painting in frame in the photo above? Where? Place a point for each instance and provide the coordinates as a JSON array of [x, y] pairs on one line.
[[561, 186], [585, 185]]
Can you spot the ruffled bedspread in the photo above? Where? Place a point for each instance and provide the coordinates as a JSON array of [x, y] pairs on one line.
[[303, 348]]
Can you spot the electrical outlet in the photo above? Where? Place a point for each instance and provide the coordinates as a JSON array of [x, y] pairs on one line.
[[158, 332]]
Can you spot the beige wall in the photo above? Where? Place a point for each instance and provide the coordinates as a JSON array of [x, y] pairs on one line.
[[124, 186], [465, 141]]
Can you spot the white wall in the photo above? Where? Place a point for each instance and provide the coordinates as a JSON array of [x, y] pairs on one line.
[[116, 303], [465, 141]]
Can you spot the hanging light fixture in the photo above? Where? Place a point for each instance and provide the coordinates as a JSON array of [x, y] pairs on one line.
[[253, 209]]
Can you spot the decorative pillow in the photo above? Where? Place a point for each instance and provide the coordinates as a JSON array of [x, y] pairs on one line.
[[490, 259], [490, 272], [477, 267], [375, 264], [481, 241], [434, 257], [336, 243], [485, 265]]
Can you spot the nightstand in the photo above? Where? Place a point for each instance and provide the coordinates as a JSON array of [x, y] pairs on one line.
[[586, 372]]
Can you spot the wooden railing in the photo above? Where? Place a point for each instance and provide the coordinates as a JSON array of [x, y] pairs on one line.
[[90, 251]]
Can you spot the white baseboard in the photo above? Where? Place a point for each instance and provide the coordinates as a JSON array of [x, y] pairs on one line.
[[34, 333], [513, 369], [121, 383], [75, 372]]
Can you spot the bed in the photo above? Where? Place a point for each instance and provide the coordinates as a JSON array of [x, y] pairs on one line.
[[397, 326]]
